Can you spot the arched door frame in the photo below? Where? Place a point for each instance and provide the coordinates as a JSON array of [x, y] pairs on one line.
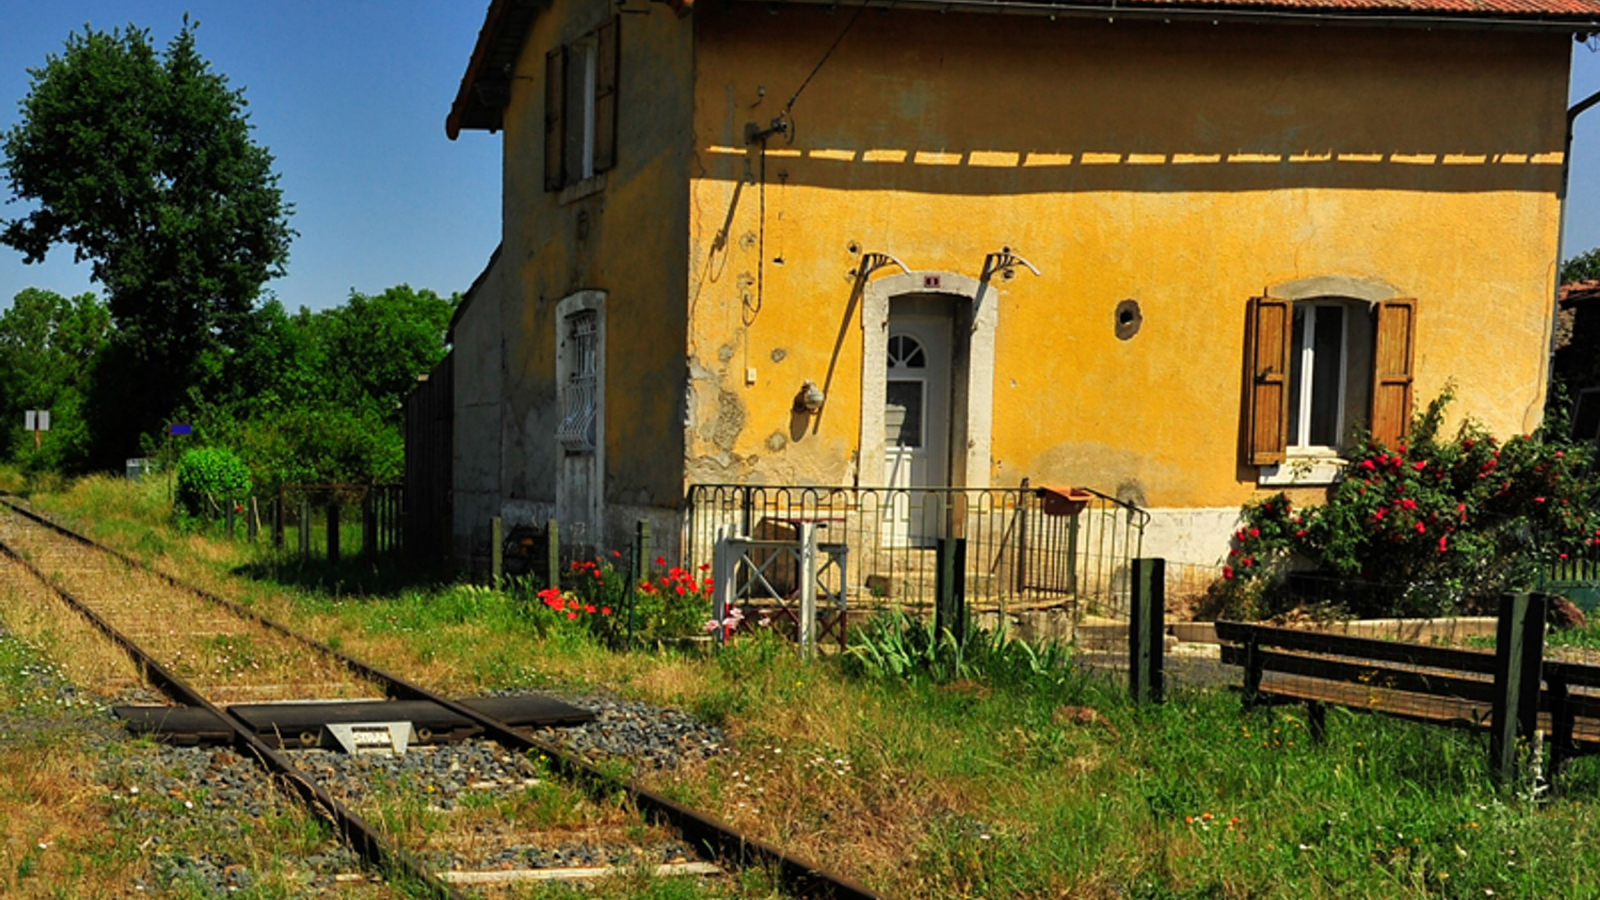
[[975, 308]]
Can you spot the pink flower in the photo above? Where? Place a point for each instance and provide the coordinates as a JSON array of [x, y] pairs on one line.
[[1444, 541], [1538, 499]]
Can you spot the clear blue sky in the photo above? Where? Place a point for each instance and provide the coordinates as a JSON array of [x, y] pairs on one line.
[[351, 95]]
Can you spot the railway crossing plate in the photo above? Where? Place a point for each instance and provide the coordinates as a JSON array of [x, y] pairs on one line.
[[371, 737]]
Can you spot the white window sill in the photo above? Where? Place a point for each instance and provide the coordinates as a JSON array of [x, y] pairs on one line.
[[585, 188], [1304, 468]]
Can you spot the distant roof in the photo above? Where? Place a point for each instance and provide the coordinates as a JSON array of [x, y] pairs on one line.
[[1580, 291], [486, 85]]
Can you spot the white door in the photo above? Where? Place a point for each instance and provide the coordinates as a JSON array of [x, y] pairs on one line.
[[916, 416]]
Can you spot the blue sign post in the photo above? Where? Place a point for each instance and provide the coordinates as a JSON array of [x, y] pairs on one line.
[[180, 429]]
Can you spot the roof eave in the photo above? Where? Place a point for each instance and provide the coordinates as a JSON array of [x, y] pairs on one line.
[[1201, 12], [486, 85]]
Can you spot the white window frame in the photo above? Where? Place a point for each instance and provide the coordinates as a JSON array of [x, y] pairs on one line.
[[589, 46], [1300, 443]]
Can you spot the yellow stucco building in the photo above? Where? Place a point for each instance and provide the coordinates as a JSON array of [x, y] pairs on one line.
[[1172, 251]]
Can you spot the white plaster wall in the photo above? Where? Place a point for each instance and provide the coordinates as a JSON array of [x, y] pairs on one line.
[[1191, 536]]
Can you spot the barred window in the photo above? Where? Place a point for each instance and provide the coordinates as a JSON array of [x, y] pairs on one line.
[[577, 431]]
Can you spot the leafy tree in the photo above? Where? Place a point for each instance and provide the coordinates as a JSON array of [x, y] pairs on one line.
[[49, 345], [143, 161], [375, 347], [1583, 267]]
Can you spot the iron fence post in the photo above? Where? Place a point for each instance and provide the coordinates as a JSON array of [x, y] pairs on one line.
[[950, 590], [252, 520], [333, 533], [1519, 652], [497, 550], [369, 526], [808, 588], [278, 521], [722, 563], [228, 513], [552, 554], [1147, 630], [305, 528]]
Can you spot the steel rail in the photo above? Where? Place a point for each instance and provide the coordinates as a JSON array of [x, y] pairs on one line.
[[796, 875], [366, 842]]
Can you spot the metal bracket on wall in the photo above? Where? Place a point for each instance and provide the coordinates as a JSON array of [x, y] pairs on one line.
[[872, 262], [1005, 261]]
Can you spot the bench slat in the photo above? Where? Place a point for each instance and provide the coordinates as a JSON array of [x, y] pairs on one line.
[[1452, 658]]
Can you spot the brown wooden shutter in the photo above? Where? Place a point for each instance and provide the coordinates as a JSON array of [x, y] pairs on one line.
[[1391, 373], [1267, 351], [555, 69], [608, 53]]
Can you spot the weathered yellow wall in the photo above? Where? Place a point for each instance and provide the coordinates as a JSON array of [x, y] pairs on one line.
[[626, 239], [1185, 167]]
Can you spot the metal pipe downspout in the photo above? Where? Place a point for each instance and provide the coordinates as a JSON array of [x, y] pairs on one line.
[[1573, 112]]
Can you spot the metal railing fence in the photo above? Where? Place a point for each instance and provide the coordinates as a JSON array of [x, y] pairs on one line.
[[1023, 547]]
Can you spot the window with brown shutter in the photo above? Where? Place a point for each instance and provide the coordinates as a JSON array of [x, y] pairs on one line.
[[605, 96], [1267, 353], [1392, 368], [580, 103], [555, 67]]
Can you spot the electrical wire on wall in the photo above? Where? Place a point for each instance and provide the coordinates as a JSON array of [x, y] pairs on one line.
[[782, 124]]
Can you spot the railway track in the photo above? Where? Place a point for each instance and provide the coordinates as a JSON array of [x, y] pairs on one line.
[[209, 654]]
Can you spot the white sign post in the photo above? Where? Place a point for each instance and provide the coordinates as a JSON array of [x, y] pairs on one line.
[[36, 421]]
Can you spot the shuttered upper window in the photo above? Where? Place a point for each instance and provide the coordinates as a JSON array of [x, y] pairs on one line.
[[1320, 367], [580, 108]]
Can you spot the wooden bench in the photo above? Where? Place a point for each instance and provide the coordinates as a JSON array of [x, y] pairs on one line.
[[1434, 685]]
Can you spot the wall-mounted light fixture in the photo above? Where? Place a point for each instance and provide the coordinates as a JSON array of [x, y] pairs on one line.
[[810, 398]]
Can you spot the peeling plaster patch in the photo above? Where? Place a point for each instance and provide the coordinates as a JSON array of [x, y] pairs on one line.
[[777, 441], [1131, 491], [725, 352], [729, 422], [778, 353]]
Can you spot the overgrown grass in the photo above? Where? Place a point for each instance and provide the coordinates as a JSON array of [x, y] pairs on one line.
[[977, 786]]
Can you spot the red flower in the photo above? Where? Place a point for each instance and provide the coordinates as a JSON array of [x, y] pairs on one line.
[[705, 567], [681, 590], [1563, 556], [661, 560], [1400, 450], [1234, 551], [1421, 528], [1420, 464], [598, 576], [1377, 514], [1255, 532], [571, 616], [588, 607], [1538, 499], [605, 610], [1300, 533], [1560, 454], [648, 588], [616, 554], [1444, 541], [1408, 503], [1248, 561], [1227, 571]]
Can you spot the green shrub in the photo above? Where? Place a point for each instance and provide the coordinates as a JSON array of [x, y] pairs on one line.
[[1436, 524], [897, 646], [208, 477]]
